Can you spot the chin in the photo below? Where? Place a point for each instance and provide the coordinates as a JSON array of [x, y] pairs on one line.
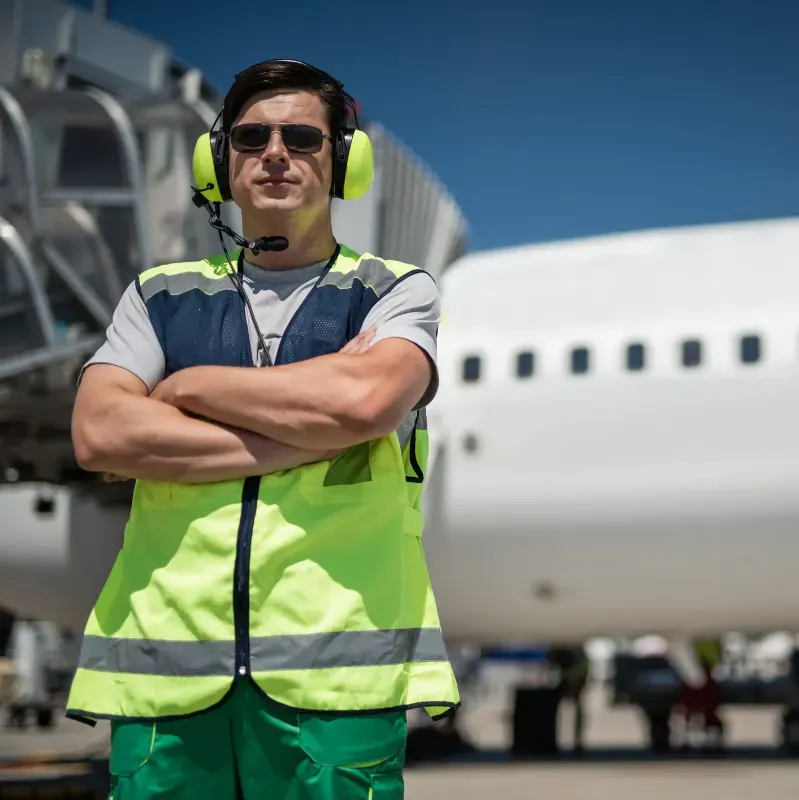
[[262, 203]]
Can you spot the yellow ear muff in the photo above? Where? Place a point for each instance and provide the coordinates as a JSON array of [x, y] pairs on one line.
[[205, 170], [360, 167]]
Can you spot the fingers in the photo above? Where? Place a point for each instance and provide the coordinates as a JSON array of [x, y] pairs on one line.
[[111, 477], [364, 337], [351, 346], [360, 344]]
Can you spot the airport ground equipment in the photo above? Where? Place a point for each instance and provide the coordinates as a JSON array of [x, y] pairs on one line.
[[651, 683]]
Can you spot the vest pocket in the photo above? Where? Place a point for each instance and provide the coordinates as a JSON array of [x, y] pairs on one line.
[[346, 479], [131, 747], [357, 741]]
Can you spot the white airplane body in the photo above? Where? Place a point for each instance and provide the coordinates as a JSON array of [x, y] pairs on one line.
[[618, 501], [562, 505]]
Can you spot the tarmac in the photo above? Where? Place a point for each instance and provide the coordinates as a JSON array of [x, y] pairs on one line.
[[615, 765], [598, 782]]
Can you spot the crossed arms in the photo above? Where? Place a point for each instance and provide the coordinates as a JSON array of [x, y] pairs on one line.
[[254, 421]]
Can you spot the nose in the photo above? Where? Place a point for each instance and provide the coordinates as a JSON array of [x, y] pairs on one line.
[[275, 151]]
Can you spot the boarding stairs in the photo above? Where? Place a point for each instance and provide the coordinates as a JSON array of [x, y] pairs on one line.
[[93, 189]]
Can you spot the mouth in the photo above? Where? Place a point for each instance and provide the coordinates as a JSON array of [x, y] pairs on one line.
[[273, 182]]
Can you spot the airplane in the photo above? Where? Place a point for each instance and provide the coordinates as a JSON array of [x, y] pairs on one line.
[[616, 451]]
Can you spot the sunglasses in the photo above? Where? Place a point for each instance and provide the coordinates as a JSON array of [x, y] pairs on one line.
[[296, 138]]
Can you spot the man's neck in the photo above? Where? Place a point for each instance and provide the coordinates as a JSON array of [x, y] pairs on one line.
[[308, 243]]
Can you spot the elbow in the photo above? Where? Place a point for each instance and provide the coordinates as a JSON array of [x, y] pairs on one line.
[[372, 416], [91, 447]]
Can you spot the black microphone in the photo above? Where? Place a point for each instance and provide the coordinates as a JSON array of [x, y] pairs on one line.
[[275, 243], [269, 243]]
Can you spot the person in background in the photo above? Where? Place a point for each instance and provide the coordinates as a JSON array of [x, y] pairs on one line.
[[699, 705], [574, 668]]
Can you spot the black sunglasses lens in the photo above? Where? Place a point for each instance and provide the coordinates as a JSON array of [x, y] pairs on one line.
[[302, 138], [250, 137]]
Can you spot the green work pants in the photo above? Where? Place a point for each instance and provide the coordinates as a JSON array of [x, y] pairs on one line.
[[249, 748]]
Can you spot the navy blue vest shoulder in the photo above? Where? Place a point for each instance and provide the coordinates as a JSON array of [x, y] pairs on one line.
[[198, 311]]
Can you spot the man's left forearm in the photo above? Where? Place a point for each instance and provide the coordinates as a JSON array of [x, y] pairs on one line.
[[332, 401]]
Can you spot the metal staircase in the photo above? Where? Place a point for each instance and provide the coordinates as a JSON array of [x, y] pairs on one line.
[[97, 130], [93, 190], [94, 178]]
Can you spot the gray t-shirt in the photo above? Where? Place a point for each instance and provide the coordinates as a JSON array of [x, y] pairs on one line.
[[411, 310]]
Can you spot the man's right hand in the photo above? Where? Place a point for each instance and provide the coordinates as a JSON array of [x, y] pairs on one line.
[[361, 343], [331, 455], [112, 477]]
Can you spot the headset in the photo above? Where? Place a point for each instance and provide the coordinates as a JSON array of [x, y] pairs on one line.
[[353, 158]]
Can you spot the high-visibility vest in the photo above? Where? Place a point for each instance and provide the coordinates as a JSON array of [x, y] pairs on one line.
[[311, 582], [710, 651]]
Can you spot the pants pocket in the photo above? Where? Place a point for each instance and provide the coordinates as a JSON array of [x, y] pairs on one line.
[[131, 747], [361, 741]]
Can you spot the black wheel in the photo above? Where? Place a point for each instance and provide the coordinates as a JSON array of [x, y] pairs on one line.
[[44, 717], [789, 733], [659, 730]]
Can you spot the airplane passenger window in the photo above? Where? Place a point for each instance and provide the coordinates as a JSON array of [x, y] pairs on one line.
[[580, 360], [525, 364], [636, 357], [750, 349], [471, 369], [691, 353]]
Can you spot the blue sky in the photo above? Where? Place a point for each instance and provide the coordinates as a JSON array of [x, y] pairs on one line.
[[545, 119]]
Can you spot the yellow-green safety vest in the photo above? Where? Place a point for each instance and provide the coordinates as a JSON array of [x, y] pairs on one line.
[[310, 582]]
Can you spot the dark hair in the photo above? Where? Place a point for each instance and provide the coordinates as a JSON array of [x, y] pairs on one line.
[[288, 76]]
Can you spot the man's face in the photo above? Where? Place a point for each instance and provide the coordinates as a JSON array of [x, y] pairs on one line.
[[273, 178]]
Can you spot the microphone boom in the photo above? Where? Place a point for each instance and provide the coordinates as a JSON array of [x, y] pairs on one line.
[[272, 243]]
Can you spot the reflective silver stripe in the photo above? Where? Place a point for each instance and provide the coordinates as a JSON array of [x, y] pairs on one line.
[[406, 429], [417, 420], [267, 653], [185, 281], [346, 649], [157, 657]]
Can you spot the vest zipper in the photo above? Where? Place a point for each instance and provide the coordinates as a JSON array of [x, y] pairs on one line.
[[249, 501], [241, 574]]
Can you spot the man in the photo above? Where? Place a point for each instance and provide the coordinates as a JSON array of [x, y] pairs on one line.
[[700, 704], [574, 668], [269, 618]]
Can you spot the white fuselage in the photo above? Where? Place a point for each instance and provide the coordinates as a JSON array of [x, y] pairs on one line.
[[563, 506], [618, 501]]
